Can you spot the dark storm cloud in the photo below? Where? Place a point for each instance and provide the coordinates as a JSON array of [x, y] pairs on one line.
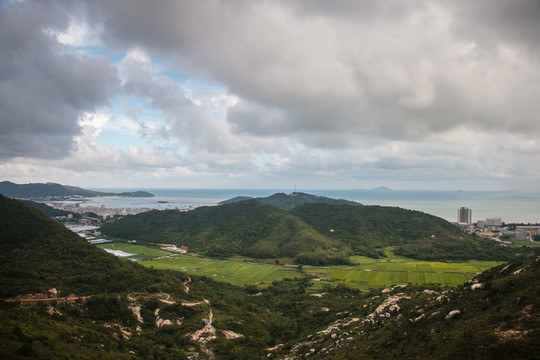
[[513, 21], [44, 87]]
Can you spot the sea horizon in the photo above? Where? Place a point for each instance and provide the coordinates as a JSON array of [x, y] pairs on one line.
[[509, 205]]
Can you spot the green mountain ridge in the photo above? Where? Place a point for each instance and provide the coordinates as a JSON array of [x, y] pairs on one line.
[[40, 190], [248, 228], [311, 233]]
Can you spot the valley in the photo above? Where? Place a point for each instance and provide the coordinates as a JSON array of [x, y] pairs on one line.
[[364, 273]]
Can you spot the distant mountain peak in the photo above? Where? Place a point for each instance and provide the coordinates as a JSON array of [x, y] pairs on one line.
[[289, 201]]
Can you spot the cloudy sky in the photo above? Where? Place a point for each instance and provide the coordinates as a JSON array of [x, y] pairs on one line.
[[271, 94]]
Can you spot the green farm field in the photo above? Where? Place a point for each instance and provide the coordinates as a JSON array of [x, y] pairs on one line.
[[235, 272], [143, 252], [365, 273], [370, 273]]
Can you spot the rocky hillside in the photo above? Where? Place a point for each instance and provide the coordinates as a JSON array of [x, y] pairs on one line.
[[494, 316]]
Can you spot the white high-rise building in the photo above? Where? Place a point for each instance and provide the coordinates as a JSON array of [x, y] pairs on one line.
[[464, 215]]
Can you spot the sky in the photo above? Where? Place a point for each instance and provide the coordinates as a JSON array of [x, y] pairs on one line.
[[434, 95]]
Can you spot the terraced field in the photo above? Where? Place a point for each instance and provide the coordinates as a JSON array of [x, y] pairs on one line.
[[366, 273]]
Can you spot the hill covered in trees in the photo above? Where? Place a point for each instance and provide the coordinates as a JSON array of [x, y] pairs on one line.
[[40, 190], [289, 201], [311, 233], [38, 253]]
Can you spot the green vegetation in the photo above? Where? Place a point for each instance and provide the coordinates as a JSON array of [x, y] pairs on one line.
[[363, 273], [497, 318], [368, 229], [378, 274], [37, 253], [526, 243], [141, 251], [247, 228], [289, 201], [372, 274], [240, 273], [130, 311], [311, 233]]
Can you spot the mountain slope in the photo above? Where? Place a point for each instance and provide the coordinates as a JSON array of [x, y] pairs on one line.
[[366, 229], [118, 310], [37, 253], [39, 190]]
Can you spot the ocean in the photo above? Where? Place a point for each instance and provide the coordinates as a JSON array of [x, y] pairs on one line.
[[508, 205]]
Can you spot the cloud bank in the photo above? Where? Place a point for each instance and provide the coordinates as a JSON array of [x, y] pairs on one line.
[[225, 93]]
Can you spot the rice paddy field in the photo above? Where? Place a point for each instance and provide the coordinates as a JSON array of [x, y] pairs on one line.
[[387, 272], [366, 273]]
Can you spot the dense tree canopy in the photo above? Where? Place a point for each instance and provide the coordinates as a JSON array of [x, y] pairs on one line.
[[312, 233]]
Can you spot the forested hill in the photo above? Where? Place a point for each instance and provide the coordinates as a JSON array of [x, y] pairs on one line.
[[367, 229], [312, 233], [40, 190], [38, 253], [289, 201], [248, 228]]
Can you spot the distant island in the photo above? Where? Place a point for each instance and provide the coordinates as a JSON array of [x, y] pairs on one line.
[[289, 201], [54, 190], [381, 188]]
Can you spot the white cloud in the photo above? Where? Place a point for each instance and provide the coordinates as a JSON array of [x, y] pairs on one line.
[[78, 34], [261, 92]]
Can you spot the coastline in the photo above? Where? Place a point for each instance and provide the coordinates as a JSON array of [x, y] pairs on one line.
[[510, 206]]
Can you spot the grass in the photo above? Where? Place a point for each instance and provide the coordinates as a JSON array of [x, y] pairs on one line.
[[527, 243], [232, 271], [143, 252], [369, 273], [365, 273]]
